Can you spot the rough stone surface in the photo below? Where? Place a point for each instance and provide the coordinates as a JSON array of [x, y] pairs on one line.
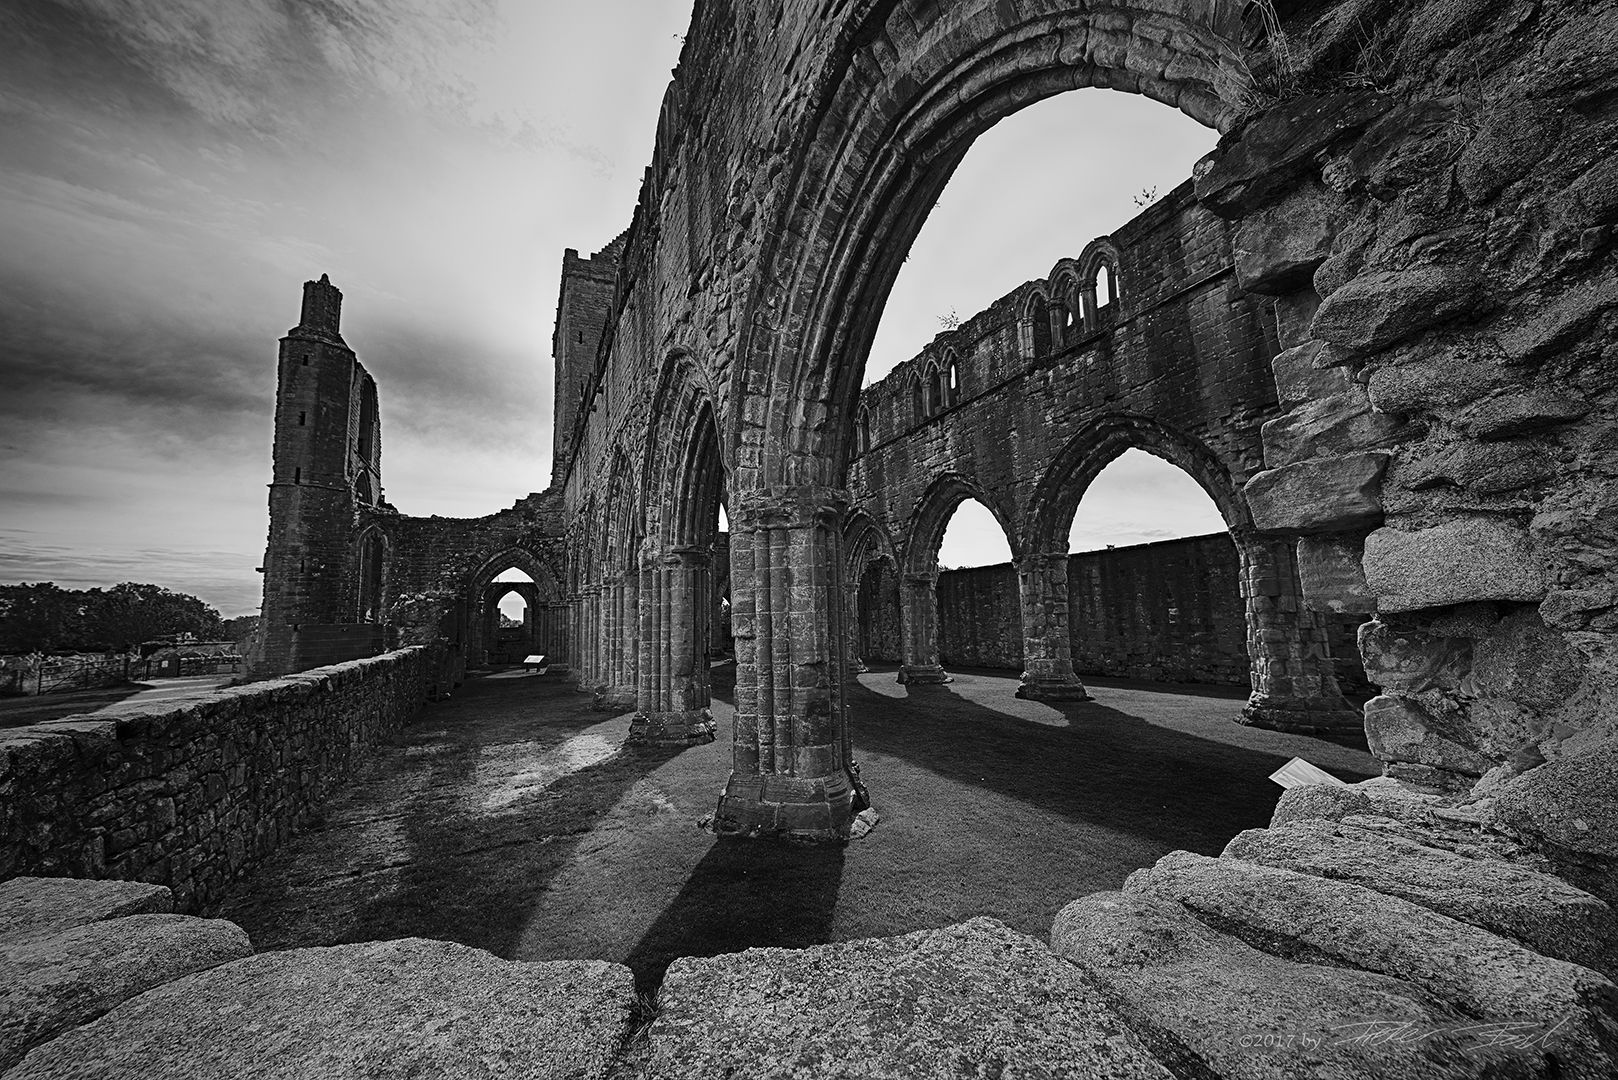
[[1330, 574], [1400, 731], [1324, 802], [1570, 804], [406, 1008], [1278, 248], [39, 907], [1459, 561], [1543, 912], [975, 999], [49, 985], [1482, 974], [1331, 494], [1377, 309], [1208, 1004]]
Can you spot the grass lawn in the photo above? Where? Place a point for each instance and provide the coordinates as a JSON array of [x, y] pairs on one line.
[[507, 818], [22, 711]]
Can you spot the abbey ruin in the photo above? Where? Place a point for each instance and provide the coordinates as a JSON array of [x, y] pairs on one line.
[[1378, 326]]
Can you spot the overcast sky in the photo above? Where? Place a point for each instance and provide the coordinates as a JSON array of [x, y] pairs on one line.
[[171, 171]]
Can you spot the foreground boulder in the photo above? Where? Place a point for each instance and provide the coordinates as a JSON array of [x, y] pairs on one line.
[[1543, 912], [407, 1008], [1207, 1004], [1568, 1013], [977, 999], [39, 907]]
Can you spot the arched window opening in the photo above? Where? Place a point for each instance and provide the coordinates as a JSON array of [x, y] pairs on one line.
[[935, 391], [514, 611], [952, 388], [918, 401], [1105, 287], [513, 574], [373, 553], [972, 538], [862, 430]]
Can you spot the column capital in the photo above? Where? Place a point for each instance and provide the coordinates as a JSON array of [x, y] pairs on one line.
[[919, 578], [687, 556], [799, 506], [1039, 560]]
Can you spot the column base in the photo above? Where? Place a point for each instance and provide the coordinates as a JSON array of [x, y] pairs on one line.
[[1322, 717], [920, 675], [692, 727], [614, 699], [814, 810], [1054, 691]]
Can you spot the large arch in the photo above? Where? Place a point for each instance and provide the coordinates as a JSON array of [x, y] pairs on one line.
[[919, 575], [896, 123], [1292, 674], [865, 544]]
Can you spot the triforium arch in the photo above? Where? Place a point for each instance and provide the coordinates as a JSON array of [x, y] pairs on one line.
[[684, 486], [371, 563], [1100, 256], [1294, 684], [919, 572], [547, 608]]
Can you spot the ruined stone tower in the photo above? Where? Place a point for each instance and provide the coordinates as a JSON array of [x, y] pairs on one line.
[[327, 467], [582, 312]]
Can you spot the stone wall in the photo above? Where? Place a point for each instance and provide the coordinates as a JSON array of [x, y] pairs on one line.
[[191, 796], [1169, 611]]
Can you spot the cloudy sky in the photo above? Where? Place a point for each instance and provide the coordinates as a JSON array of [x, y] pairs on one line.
[[171, 171]]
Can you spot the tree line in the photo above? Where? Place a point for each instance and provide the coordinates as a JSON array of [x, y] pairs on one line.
[[47, 618]]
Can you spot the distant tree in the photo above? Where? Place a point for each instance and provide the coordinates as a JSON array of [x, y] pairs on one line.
[[241, 629], [40, 618], [128, 614]]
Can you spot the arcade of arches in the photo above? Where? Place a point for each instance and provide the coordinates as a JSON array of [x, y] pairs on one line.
[[1376, 327]]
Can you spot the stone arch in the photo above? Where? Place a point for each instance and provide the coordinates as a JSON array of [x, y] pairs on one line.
[[919, 579], [1034, 323], [1067, 304], [896, 121], [371, 574], [684, 485], [547, 608], [866, 543], [1292, 676], [1100, 256]]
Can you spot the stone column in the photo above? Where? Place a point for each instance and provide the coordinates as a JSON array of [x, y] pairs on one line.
[[673, 694], [792, 775], [1294, 681], [1089, 314], [919, 597], [1046, 649]]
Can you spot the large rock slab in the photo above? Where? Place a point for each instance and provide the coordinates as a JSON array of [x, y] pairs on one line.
[[1569, 805], [1377, 309], [1398, 731], [406, 1008], [1210, 1005], [1568, 1013], [1328, 802], [1453, 563], [40, 907], [1329, 494], [51, 984], [977, 999], [1543, 912]]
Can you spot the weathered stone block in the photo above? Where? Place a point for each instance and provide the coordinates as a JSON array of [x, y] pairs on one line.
[[40, 907], [1331, 577], [1453, 563], [972, 999], [1318, 802], [1399, 731], [1332, 494], [1377, 309], [1209, 1004], [1545, 913], [1342, 424], [388, 1008], [1278, 248], [1485, 976], [1395, 151], [1508, 415], [1280, 145], [1568, 804], [1412, 662]]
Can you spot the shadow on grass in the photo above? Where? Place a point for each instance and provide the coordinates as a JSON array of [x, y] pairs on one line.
[[1106, 768], [409, 855], [744, 894]]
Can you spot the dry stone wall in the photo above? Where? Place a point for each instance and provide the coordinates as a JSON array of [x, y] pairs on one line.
[[191, 797]]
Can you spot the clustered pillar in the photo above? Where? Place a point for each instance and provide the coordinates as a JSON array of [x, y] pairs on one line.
[[791, 771], [673, 696], [919, 630], [1294, 681], [1047, 651]]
